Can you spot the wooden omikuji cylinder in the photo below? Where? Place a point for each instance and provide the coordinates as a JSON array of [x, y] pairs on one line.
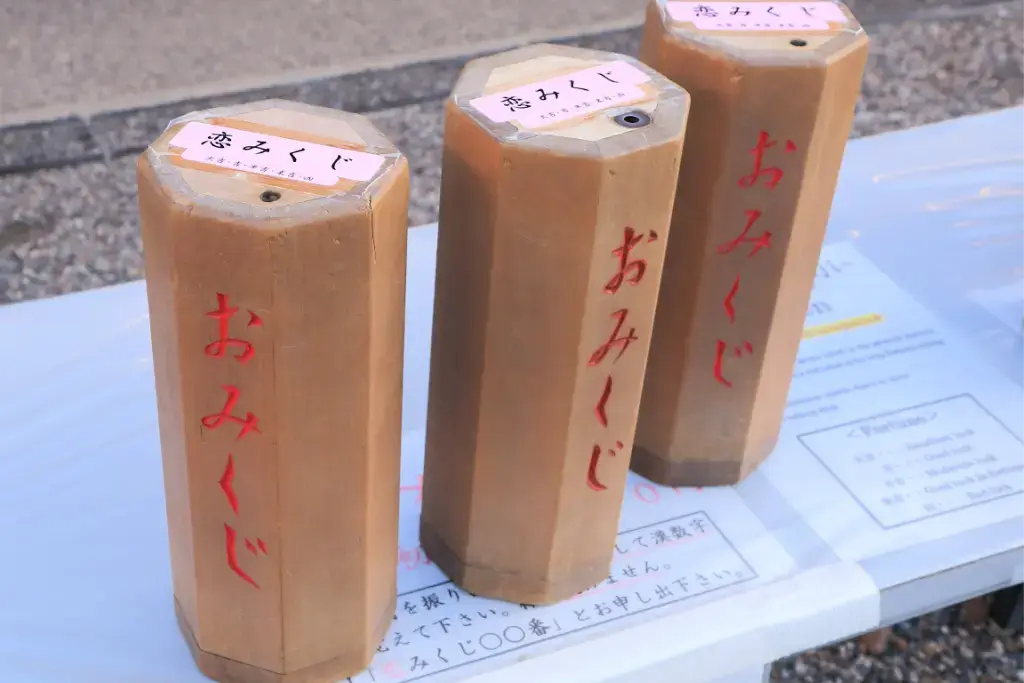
[[558, 180], [774, 86], [275, 243]]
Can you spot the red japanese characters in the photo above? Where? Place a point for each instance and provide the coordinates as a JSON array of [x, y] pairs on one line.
[[276, 299], [248, 424], [550, 249], [629, 271], [777, 84], [756, 243], [223, 315]]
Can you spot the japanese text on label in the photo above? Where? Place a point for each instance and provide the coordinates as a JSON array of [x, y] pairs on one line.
[[270, 155], [565, 97], [757, 16]]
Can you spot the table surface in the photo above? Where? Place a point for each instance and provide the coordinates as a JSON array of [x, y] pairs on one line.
[[896, 487]]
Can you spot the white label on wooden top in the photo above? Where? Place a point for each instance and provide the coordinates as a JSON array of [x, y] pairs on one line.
[[757, 16], [270, 155], [565, 97]]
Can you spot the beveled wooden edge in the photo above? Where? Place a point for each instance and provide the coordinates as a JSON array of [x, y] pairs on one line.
[[510, 587], [668, 111], [227, 670], [839, 41], [356, 195], [694, 472], [376, 142]]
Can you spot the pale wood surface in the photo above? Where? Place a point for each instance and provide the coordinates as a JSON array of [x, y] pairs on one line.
[[698, 425], [527, 238], [318, 278]]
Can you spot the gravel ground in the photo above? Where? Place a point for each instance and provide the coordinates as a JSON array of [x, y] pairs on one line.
[[74, 226], [942, 647]]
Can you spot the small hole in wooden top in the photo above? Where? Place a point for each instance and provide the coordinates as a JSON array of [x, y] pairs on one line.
[[797, 42], [633, 119], [270, 196]]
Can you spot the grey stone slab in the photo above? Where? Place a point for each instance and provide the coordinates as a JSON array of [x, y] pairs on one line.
[[387, 88], [74, 228], [75, 53], [126, 132], [53, 143], [130, 131], [135, 50]]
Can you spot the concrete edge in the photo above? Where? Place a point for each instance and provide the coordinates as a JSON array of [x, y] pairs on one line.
[[88, 110], [107, 133], [57, 137]]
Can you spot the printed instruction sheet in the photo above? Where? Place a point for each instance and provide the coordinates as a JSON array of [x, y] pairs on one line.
[[675, 547], [896, 432]]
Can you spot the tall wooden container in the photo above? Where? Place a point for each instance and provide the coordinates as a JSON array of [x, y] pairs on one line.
[[774, 86], [275, 237], [558, 181]]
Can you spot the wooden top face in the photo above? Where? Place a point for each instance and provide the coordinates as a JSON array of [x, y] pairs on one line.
[[275, 153], [563, 92], [795, 29]]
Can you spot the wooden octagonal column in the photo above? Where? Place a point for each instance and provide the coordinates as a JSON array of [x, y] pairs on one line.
[[774, 86], [275, 237], [558, 182]]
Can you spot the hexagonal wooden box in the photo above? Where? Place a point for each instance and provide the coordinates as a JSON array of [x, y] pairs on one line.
[[558, 181], [275, 246], [774, 86]]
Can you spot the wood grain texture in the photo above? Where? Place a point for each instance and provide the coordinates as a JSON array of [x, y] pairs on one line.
[[308, 496], [731, 314], [529, 226]]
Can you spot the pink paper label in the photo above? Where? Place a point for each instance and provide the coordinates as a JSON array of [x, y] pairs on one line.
[[274, 156], [757, 16], [565, 97]]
